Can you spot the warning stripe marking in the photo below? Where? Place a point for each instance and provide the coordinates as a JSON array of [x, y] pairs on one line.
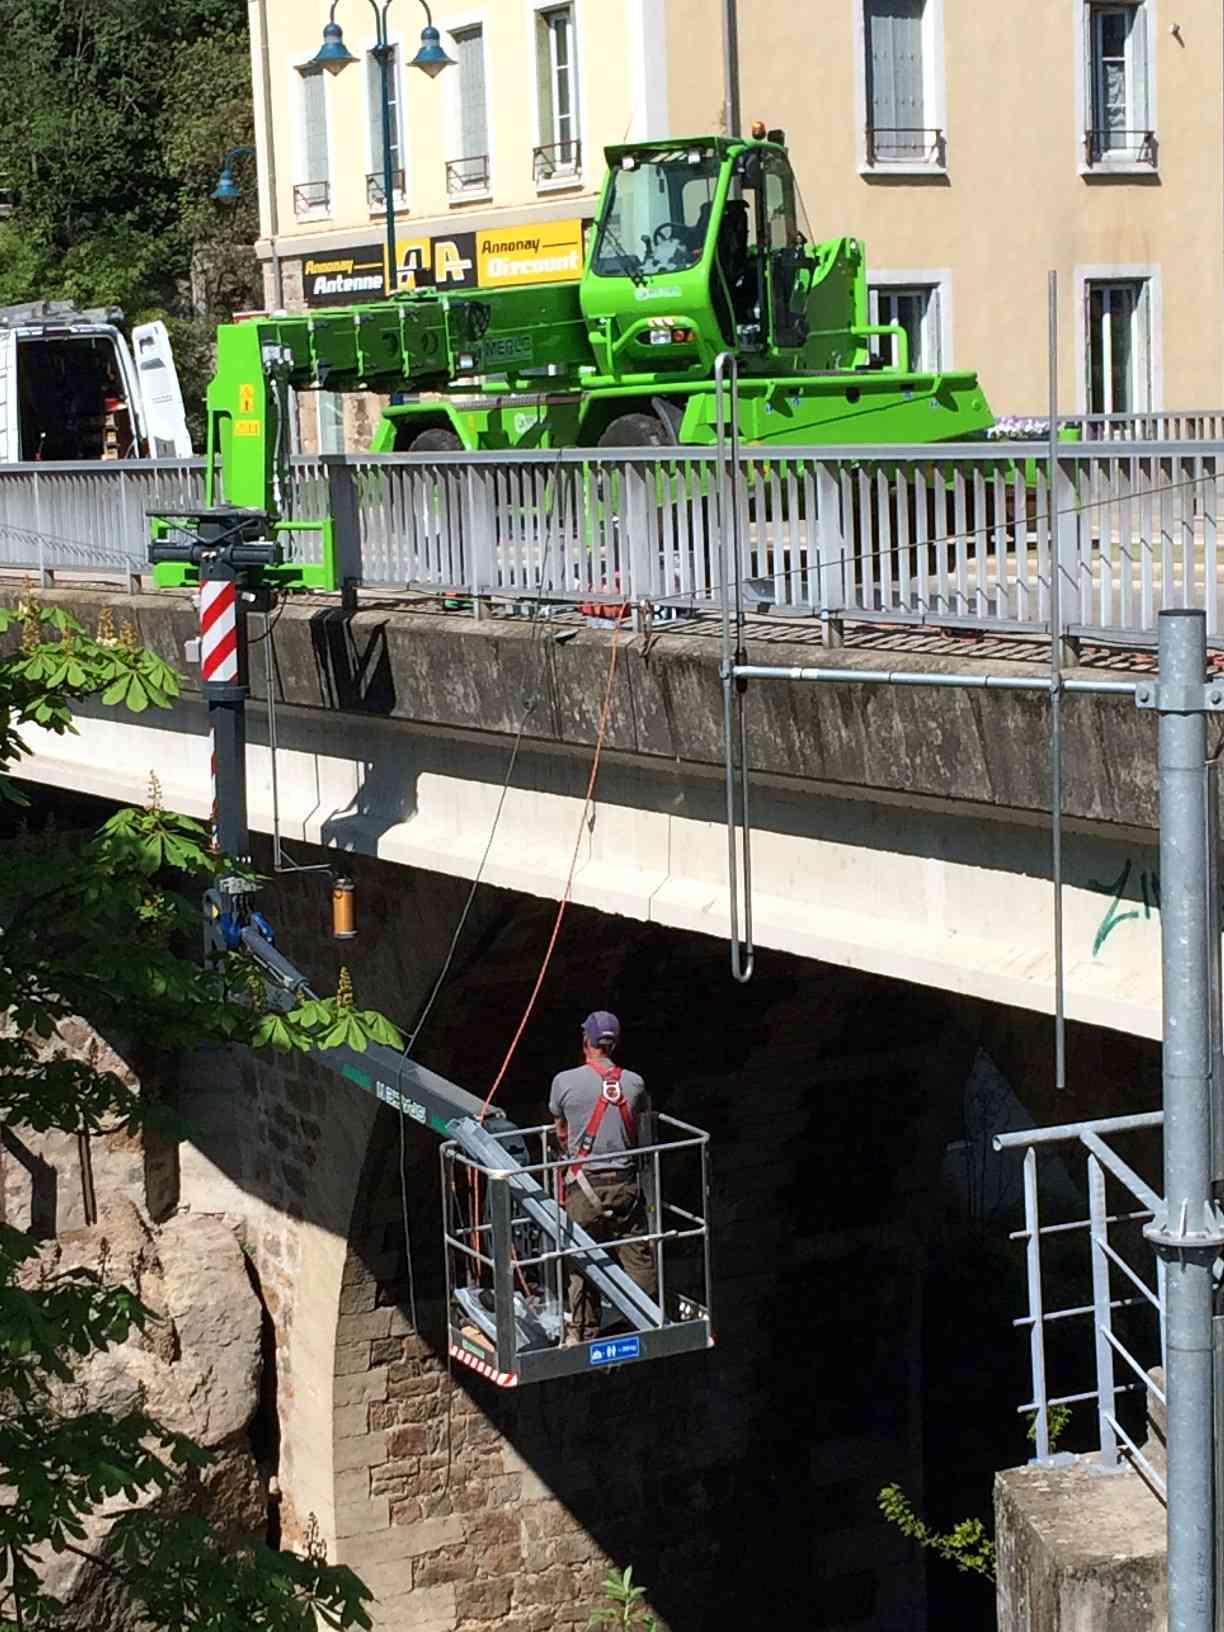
[[503, 1379], [219, 631], [224, 655], [215, 600]]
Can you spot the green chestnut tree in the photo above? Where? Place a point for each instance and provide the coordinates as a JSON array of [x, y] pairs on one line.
[[68, 905]]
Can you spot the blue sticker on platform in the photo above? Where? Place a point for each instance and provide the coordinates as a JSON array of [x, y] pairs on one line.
[[615, 1350]]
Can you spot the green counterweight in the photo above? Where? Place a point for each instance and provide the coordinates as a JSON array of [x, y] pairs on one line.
[[699, 247]]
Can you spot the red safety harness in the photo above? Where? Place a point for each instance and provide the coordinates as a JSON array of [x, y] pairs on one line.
[[611, 1095]]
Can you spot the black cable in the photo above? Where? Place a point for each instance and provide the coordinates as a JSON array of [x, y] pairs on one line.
[[271, 620]]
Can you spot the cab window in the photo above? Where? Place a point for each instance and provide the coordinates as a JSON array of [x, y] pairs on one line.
[[780, 225]]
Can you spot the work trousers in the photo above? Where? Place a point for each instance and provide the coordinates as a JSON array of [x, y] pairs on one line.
[[622, 1212]]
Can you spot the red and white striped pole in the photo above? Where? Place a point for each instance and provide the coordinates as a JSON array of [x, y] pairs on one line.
[[223, 660], [218, 656]]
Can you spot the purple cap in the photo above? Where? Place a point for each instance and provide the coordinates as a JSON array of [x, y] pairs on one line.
[[600, 1028]]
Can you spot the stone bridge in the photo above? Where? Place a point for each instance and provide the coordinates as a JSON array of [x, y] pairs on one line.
[[903, 911]]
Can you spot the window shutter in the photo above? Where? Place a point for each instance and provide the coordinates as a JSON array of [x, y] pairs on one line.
[[314, 120], [1140, 69], [544, 79], [883, 90], [897, 102], [473, 107], [374, 112]]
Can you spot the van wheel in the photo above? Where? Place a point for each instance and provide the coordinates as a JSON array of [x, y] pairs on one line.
[[437, 439], [636, 431]]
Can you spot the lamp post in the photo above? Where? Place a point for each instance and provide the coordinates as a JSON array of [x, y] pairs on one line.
[[431, 59], [731, 69], [227, 190]]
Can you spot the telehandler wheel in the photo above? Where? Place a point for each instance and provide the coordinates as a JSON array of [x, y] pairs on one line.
[[636, 431], [437, 439]]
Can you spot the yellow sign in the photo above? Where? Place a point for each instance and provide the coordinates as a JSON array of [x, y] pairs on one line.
[[246, 399], [547, 252], [248, 427]]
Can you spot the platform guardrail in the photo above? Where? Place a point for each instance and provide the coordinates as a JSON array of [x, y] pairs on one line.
[[1125, 1310], [948, 535]]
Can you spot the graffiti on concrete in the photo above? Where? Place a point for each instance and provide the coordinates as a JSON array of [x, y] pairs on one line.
[[1149, 887]]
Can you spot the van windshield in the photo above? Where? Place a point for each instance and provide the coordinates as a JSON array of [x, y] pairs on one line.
[[657, 215]]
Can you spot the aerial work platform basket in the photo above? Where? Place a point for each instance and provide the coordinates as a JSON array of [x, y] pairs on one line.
[[511, 1247]]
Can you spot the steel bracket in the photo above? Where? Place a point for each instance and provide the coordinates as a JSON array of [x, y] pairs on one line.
[[1174, 1233], [1165, 698]]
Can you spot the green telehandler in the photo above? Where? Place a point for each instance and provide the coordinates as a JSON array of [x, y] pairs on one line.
[[699, 248]]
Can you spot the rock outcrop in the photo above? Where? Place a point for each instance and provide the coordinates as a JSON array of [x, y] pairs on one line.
[[195, 1369]]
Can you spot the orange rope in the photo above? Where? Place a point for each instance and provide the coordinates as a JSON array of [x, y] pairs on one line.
[[604, 716]]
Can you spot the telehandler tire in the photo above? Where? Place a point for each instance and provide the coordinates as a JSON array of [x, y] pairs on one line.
[[636, 431], [437, 439]]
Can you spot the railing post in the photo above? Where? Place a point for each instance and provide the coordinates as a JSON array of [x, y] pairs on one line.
[[1064, 557], [1032, 1255], [45, 575], [1102, 1313], [829, 532], [343, 506], [637, 518], [503, 1272], [479, 526]]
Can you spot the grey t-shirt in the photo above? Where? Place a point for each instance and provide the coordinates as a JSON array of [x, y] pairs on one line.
[[573, 1098]]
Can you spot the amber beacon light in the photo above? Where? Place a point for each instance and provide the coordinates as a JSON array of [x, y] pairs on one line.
[[344, 917]]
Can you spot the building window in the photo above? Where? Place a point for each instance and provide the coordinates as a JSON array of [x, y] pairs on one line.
[[918, 309], [311, 193], [1118, 93], [559, 153], [903, 126], [1118, 325], [376, 178], [470, 172]]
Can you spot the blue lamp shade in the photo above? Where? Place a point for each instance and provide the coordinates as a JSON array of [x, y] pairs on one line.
[[431, 59], [227, 190], [333, 54]]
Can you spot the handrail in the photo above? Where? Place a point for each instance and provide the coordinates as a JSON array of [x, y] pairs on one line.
[[1101, 1160], [937, 535]]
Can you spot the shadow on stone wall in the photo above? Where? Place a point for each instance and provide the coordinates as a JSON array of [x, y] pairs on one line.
[[740, 1484]]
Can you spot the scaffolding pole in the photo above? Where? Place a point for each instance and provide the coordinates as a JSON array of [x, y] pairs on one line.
[[1187, 1235]]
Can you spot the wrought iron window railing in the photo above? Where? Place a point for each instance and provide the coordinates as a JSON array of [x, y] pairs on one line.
[[470, 175], [311, 197], [557, 159], [376, 188], [906, 145], [1120, 147]]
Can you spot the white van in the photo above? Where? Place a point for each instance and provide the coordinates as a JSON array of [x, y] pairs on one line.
[[71, 389]]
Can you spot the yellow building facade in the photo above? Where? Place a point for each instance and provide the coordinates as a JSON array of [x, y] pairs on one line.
[[974, 146], [496, 162]]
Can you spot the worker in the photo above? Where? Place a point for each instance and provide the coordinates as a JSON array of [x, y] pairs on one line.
[[596, 1107]]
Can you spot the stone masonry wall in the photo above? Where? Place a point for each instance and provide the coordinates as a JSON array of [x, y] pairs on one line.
[[741, 1483]]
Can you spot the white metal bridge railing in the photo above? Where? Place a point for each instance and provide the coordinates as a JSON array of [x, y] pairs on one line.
[[1166, 425], [1125, 1311], [930, 534]]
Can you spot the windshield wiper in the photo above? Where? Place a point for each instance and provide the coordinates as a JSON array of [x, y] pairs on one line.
[[631, 263]]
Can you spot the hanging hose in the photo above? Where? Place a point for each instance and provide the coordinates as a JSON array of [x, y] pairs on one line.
[[604, 714]]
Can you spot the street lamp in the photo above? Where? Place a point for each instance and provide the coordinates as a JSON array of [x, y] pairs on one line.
[[227, 190], [731, 68], [431, 59]]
